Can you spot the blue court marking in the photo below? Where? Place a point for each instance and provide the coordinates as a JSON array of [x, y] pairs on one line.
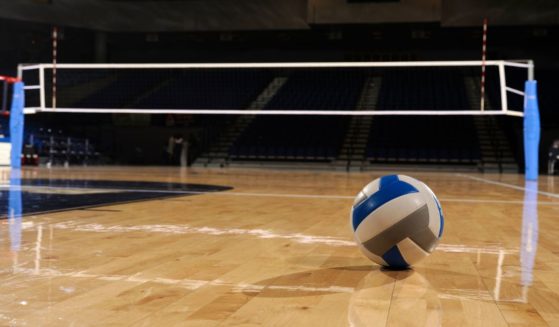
[[36, 196], [390, 188], [394, 258]]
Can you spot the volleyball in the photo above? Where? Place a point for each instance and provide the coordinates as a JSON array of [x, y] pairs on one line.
[[396, 221]]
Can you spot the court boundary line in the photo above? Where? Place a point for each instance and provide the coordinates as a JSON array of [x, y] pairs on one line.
[[185, 283], [507, 185], [264, 234], [284, 195]]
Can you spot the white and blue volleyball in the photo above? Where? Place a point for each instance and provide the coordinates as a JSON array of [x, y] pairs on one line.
[[397, 221]]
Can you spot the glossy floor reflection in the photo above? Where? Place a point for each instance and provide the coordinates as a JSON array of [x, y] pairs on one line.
[[39, 195], [274, 249]]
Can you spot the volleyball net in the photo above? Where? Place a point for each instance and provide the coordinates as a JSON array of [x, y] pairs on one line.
[[315, 88]]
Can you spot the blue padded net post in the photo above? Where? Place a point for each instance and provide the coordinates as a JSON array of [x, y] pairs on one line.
[[531, 130], [16, 125]]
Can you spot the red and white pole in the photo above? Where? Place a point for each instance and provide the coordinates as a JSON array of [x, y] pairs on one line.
[[54, 60], [483, 57]]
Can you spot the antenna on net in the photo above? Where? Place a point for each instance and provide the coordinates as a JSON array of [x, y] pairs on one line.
[[483, 58]]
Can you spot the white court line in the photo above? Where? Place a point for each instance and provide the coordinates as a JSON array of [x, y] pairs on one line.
[[512, 186], [190, 284], [258, 233], [242, 287], [185, 229], [500, 201], [252, 194]]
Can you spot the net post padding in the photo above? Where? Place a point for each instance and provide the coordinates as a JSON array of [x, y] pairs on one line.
[[16, 124], [531, 131]]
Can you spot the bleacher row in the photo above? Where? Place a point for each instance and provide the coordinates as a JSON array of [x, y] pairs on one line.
[[314, 138], [53, 147], [448, 139], [391, 138], [302, 137]]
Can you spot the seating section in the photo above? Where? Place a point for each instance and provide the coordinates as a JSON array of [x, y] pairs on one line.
[[423, 139], [548, 97], [423, 89], [291, 138], [320, 90], [308, 138], [179, 89], [215, 89], [126, 87], [58, 148], [69, 77], [319, 138]]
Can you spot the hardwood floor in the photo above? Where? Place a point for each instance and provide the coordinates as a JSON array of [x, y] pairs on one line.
[[276, 249]]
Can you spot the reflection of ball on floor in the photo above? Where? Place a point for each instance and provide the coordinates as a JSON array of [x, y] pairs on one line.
[[397, 220]]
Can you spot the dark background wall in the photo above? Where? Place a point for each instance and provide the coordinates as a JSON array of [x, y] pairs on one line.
[[291, 30]]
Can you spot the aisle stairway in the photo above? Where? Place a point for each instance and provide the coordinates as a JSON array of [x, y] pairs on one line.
[[218, 152], [352, 154]]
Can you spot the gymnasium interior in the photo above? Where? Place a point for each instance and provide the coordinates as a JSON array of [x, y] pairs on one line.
[[198, 163]]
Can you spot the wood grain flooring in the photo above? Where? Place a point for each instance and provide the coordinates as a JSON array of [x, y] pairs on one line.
[[277, 250]]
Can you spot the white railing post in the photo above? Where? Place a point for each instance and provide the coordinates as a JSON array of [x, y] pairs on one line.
[[19, 71], [503, 87], [42, 84]]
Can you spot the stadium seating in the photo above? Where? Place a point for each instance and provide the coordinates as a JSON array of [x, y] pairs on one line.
[[290, 138], [412, 89], [125, 88], [56, 147], [423, 139], [219, 89], [548, 97], [192, 89], [427, 139], [308, 138], [312, 138]]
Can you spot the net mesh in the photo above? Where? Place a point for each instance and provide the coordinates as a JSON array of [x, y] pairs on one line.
[[272, 88], [309, 96]]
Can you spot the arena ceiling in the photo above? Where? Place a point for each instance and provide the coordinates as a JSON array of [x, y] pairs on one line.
[[227, 15]]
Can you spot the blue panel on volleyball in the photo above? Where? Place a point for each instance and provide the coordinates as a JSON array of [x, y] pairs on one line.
[[16, 124], [441, 216], [394, 258], [531, 130], [390, 188]]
